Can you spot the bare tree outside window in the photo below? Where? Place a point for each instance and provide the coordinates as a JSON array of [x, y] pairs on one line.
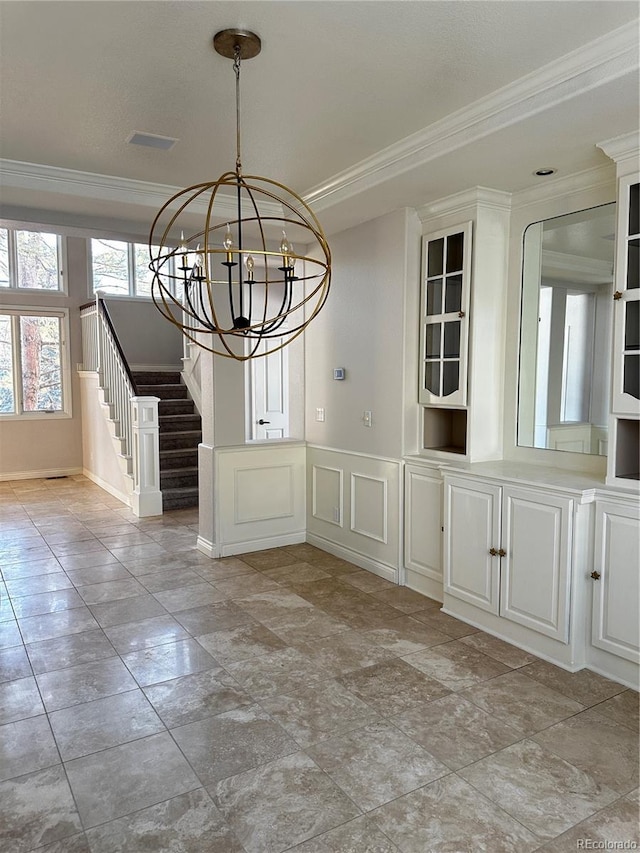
[[7, 396], [41, 364], [38, 265]]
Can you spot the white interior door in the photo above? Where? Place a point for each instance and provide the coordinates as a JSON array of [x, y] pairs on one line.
[[270, 394]]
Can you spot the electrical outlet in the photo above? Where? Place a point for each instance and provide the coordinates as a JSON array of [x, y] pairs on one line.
[[319, 414], [366, 419]]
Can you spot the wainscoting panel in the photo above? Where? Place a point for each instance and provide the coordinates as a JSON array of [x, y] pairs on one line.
[[263, 494], [369, 516], [327, 490], [354, 508], [260, 497]]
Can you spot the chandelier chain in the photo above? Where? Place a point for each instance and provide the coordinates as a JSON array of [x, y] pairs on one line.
[[236, 69]]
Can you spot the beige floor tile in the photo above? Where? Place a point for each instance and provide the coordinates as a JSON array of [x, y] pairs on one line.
[[455, 665], [195, 697], [584, 686], [542, 791], [392, 686]]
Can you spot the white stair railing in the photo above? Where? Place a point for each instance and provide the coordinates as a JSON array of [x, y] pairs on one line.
[[136, 417]]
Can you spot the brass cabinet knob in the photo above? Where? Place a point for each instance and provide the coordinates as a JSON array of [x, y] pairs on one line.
[[617, 295], [595, 576], [460, 313], [493, 552], [502, 553]]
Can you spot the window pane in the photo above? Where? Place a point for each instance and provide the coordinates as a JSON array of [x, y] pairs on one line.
[[453, 294], [455, 252], [433, 332], [38, 263], [4, 257], [432, 377], [633, 265], [144, 276], [41, 363], [7, 400], [110, 262], [450, 377], [452, 339], [634, 209], [632, 326], [434, 297], [435, 253]]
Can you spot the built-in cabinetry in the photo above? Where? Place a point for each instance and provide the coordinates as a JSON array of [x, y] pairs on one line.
[[546, 560], [616, 579], [508, 550], [423, 528], [462, 326], [624, 459]]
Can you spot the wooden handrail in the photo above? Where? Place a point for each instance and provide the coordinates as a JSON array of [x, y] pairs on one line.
[[104, 311]]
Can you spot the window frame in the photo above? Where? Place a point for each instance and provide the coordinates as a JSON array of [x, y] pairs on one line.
[[12, 257], [131, 270], [15, 312]]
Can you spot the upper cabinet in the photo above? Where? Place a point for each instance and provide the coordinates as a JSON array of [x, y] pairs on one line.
[[624, 459], [626, 365], [444, 309]]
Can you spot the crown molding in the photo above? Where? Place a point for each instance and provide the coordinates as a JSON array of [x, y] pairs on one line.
[[621, 147], [610, 57], [559, 264], [53, 179], [464, 201], [598, 177]]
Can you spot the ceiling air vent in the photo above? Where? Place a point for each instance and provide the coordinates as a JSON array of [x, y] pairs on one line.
[[152, 140]]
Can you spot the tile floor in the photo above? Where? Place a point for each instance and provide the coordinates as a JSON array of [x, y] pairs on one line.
[[152, 699]]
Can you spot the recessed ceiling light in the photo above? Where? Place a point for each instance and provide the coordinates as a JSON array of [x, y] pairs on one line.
[[152, 140], [544, 173]]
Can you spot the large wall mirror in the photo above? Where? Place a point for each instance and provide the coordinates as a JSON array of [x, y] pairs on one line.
[[565, 332]]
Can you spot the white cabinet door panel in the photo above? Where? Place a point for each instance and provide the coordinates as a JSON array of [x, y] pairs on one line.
[[472, 528], [616, 593], [535, 572], [423, 523]]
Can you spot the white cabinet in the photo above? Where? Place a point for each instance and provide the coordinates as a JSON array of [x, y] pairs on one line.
[[508, 551], [423, 529], [444, 308], [616, 580]]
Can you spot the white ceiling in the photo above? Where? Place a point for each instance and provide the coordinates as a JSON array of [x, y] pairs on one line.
[[360, 107]]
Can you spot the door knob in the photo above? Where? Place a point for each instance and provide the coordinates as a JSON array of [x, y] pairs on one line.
[[261, 422]]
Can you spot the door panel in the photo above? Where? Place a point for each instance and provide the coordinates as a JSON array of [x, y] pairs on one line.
[[615, 625], [535, 571], [472, 528]]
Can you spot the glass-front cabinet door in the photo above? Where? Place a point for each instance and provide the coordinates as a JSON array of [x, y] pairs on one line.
[[626, 371], [444, 321]]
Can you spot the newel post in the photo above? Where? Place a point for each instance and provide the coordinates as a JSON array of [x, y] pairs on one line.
[[146, 497]]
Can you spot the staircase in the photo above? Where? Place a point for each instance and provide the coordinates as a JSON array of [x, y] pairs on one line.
[[180, 434]]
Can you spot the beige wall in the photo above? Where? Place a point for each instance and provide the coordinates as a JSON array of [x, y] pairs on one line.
[[45, 446], [361, 328]]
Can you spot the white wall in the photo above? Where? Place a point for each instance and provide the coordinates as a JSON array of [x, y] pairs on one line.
[[361, 328], [144, 334]]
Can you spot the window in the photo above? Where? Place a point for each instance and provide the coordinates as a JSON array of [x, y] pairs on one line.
[[30, 260], [120, 269], [33, 362]]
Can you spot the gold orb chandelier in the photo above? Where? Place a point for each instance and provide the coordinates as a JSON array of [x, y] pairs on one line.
[[235, 285]]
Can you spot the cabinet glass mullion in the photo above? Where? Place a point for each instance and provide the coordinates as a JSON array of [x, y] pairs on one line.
[[444, 298]]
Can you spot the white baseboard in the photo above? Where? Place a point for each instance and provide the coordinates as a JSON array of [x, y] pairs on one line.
[[116, 493], [424, 585], [233, 548], [230, 550], [361, 560], [40, 475], [208, 548]]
